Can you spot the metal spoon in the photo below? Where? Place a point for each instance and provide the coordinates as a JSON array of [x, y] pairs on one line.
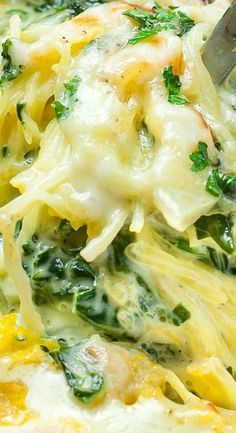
[[219, 52]]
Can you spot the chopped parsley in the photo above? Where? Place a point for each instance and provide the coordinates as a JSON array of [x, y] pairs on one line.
[[152, 23], [182, 314], [19, 108], [219, 183], [10, 71], [64, 105], [200, 157], [173, 85]]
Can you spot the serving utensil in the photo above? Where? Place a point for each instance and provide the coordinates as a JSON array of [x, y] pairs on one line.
[[219, 51]]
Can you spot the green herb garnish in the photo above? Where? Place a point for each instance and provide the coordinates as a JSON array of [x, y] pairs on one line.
[[200, 157], [5, 151], [152, 23], [219, 183], [173, 85], [64, 105], [219, 227], [10, 71]]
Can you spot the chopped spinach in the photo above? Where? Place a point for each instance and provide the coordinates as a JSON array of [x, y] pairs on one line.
[[64, 105], [219, 227], [19, 107], [219, 260], [10, 71], [219, 183], [161, 352], [200, 157], [173, 85], [152, 23], [117, 259], [82, 369], [153, 307]]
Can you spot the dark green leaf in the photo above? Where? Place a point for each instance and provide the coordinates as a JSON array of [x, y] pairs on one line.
[[219, 227], [28, 248], [18, 228], [5, 151], [82, 370], [117, 259], [65, 228], [64, 105], [219, 260], [19, 108], [161, 352], [182, 314], [173, 85], [219, 183], [10, 71], [185, 23], [151, 23], [200, 157]]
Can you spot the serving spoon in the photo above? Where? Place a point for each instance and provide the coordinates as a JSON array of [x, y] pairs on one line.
[[219, 51]]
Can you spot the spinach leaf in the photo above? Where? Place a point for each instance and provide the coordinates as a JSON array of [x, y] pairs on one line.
[[10, 71], [64, 105], [173, 85], [161, 352], [152, 23], [219, 227], [82, 370], [18, 228], [152, 306], [200, 157], [219, 183], [117, 259], [219, 260]]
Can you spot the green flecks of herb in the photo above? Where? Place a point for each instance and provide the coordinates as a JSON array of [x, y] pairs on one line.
[[200, 157], [173, 85], [19, 107], [74, 7], [18, 228], [219, 227], [182, 314], [64, 105], [218, 146], [219, 183], [5, 151], [28, 248], [160, 19], [10, 71], [185, 23]]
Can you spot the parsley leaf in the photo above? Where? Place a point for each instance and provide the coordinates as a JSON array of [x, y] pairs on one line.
[[64, 105], [74, 7], [152, 23], [10, 71], [200, 158], [185, 23], [219, 183], [173, 85]]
